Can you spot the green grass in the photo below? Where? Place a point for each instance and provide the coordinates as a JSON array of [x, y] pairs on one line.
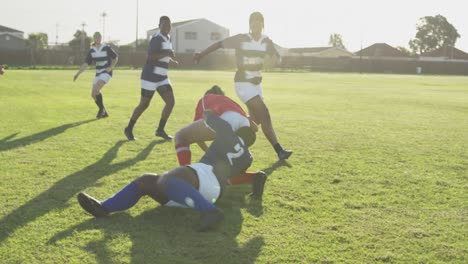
[[379, 172]]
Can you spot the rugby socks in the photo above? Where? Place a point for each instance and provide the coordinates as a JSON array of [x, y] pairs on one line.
[[162, 124], [183, 154], [131, 124], [183, 193], [124, 199], [99, 101], [278, 147], [246, 177]]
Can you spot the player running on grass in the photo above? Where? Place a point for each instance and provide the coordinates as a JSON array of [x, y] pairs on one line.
[[251, 49], [197, 186], [154, 78], [105, 59]]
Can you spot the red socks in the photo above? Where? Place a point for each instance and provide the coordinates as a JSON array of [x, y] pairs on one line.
[[246, 177], [183, 154]]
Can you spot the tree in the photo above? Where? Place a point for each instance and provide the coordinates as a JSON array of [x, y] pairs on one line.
[[405, 51], [433, 32], [336, 41], [36, 42], [80, 43]]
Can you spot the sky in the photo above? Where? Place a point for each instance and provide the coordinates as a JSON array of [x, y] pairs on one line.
[[291, 24]]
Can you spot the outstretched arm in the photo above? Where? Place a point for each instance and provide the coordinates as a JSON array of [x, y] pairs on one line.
[[199, 55], [82, 68]]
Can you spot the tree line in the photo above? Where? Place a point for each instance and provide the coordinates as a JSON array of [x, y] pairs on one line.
[[432, 32]]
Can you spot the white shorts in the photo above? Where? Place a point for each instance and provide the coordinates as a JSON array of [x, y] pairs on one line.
[[153, 86], [246, 90], [103, 76], [208, 184], [235, 119]]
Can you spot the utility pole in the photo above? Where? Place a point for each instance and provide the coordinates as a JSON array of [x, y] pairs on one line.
[[56, 34], [136, 36], [104, 15], [83, 24]]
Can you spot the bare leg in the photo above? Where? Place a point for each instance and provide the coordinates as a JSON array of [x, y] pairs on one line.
[[144, 103], [97, 96], [195, 132], [168, 98], [260, 114]]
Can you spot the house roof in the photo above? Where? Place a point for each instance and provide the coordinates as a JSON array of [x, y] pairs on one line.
[[381, 50], [309, 50], [177, 24], [7, 29], [11, 35], [447, 52], [181, 23]]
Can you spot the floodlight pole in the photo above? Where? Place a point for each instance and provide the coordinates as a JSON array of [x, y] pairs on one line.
[[104, 14], [82, 39], [136, 35], [56, 34]]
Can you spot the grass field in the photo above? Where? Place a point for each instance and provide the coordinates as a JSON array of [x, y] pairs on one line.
[[379, 172]]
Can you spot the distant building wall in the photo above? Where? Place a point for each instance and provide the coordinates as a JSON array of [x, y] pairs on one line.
[[11, 42], [194, 35]]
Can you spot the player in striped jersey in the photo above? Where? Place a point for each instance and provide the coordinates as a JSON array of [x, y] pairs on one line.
[[251, 49], [154, 78], [105, 59]]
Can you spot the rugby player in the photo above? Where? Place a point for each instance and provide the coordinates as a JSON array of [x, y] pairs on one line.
[[197, 186], [251, 49], [105, 59], [154, 78]]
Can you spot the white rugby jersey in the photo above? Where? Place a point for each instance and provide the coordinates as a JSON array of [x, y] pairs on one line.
[[249, 55], [102, 57]]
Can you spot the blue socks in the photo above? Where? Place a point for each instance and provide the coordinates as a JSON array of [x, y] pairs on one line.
[[184, 193], [124, 199], [176, 190]]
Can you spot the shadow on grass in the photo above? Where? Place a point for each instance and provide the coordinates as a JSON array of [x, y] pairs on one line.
[[5, 144], [276, 165], [164, 235], [56, 197]]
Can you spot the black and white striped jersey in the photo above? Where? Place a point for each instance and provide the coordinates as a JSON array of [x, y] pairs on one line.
[[156, 71], [249, 56], [102, 57]]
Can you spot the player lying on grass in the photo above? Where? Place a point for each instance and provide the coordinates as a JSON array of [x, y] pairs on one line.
[[196, 186], [105, 59], [198, 132]]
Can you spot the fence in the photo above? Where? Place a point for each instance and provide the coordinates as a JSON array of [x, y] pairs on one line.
[[223, 61]]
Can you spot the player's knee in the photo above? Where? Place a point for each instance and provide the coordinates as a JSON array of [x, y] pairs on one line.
[[179, 138], [147, 183], [144, 104], [170, 103]]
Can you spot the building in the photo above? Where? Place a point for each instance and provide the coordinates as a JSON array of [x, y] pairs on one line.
[[321, 52], [11, 39], [444, 53], [381, 50], [193, 35]]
